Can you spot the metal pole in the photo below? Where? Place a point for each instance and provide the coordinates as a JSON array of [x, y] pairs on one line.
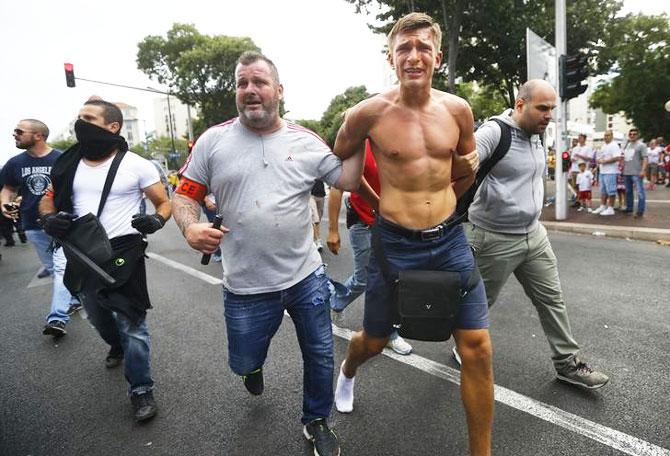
[[190, 122], [561, 117], [170, 124]]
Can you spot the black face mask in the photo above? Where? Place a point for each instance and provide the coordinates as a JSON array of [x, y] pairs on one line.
[[97, 143]]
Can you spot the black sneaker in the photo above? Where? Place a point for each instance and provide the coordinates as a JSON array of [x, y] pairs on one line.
[[144, 405], [55, 328], [22, 237], [324, 439], [74, 308], [10, 243], [113, 359], [579, 373], [253, 382], [43, 273]]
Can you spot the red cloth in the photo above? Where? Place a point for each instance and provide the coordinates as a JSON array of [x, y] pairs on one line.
[[585, 195], [371, 175]]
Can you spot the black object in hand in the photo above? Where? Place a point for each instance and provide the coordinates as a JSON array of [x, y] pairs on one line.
[[216, 224], [147, 224], [57, 225]]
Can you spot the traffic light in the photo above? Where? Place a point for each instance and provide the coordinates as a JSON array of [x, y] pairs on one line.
[[565, 161], [69, 75], [573, 70]]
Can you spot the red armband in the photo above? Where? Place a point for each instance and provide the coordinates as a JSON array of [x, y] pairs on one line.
[[192, 189]]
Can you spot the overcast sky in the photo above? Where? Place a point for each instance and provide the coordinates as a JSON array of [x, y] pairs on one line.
[[321, 47]]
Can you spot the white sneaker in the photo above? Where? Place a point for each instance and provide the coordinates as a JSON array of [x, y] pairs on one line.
[[319, 245], [344, 393], [457, 356], [600, 209], [581, 208], [589, 210], [400, 346], [608, 211]]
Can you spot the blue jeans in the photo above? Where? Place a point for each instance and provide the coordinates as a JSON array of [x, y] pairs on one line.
[[354, 286], [639, 187], [447, 252], [122, 336], [252, 321], [41, 243], [61, 298]]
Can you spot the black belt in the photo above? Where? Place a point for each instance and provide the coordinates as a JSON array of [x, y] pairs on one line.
[[428, 234]]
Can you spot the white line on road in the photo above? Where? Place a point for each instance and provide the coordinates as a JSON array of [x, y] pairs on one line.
[[188, 270], [607, 436], [603, 434]]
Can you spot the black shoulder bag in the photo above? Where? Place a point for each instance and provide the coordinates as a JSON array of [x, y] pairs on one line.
[[86, 243], [426, 302]]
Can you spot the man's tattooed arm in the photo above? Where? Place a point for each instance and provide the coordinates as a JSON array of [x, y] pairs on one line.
[[185, 211]]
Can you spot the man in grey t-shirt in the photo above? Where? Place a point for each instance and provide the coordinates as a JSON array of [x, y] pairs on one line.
[[261, 170], [634, 170]]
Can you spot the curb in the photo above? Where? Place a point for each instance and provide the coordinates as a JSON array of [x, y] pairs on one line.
[[625, 232]]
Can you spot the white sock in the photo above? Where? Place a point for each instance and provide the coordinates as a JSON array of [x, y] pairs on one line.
[[344, 393]]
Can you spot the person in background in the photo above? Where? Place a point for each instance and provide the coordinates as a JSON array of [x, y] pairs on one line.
[[584, 182], [317, 196]]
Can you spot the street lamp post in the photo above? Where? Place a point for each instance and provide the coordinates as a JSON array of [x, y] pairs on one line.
[[172, 152]]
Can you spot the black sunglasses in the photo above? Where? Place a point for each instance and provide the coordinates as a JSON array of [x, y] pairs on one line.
[[19, 132]]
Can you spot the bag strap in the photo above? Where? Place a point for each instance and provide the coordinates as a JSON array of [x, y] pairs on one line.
[[463, 203], [386, 269], [380, 256], [111, 174]]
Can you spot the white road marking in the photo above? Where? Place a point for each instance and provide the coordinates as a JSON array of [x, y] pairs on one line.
[[188, 270], [37, 282], [617, 440]]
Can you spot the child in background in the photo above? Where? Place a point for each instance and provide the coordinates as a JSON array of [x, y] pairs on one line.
[[584, 182]]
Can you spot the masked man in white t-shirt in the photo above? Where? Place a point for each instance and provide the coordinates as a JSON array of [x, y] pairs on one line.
[[78, 179]]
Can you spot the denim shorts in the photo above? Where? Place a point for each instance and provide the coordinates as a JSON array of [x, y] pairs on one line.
[[608, 184], [448, 252]]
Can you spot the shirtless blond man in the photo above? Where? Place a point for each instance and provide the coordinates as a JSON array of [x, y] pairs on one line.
[[414, 131]]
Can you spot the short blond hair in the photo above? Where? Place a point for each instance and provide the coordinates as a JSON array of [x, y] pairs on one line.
[[415, 21]]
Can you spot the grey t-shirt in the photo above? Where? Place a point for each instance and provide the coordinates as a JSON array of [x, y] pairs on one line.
[[633, 154], [262, 186]]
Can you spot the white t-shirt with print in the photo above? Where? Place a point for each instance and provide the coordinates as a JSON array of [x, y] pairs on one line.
[[134, 174]]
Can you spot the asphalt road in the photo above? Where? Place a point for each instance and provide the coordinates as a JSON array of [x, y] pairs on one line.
[[58, 398]]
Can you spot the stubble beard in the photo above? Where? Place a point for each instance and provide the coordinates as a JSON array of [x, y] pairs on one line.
[[259, 120]]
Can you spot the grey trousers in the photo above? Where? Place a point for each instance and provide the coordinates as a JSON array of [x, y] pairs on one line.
[[532, 260]]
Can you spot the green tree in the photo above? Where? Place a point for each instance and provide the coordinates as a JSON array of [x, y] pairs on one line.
[[484, 101], [485, 41], [332, 117], [199, 68], [63, 144], [312, 124], [161, 147], [641, 84]]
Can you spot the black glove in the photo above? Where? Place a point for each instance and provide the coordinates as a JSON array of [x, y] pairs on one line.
[[57, 225], [147, 224]]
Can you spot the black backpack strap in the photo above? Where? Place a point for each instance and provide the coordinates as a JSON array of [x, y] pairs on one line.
[[380, 256], [499, 152], [111, 174]]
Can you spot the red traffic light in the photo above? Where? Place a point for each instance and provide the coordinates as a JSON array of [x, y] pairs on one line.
[[565, 161], [69, 74]]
